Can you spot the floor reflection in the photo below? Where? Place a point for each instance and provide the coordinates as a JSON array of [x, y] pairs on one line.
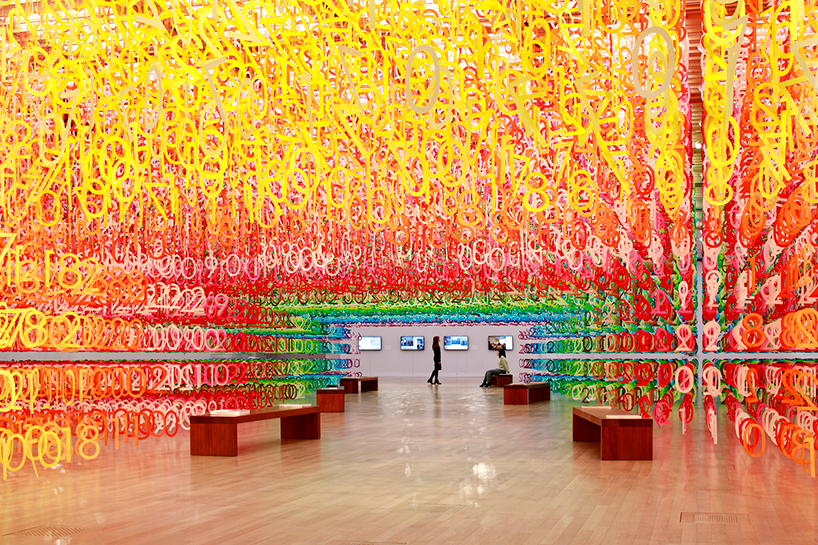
[[420, 464]]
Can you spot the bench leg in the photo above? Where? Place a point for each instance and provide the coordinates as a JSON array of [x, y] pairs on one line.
[[626, 443], [535, 395], [331, 403], [214, 440], [584, 430], [305, 426], [350, 386], [369, 386], [515, 396], [540, 394]]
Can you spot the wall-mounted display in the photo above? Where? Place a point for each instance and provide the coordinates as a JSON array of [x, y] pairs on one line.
[[504, 341], [455, 342], [413, 343], [369, 343]]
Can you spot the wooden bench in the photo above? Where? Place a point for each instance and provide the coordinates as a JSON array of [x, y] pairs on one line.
[[503, 379], [621, 435], [367, 384], [330, 400], [218, 435], [523, 394]]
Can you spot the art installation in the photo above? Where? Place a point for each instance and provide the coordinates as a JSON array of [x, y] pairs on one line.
[[43, 405], [760, 232], [651, 387], [264, 177], [189, 173], [769, 402]]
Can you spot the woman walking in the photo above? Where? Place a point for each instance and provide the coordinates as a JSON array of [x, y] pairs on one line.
[[436, 350]]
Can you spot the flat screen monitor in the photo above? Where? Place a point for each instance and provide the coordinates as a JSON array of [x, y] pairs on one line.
[[412, 343], [369, 343], [496, 341], [455, 342]]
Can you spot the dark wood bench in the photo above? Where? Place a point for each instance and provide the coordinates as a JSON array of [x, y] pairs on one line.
[[218, 435], [366, 384], [330, 400], [503, 379], [523, 394], [621, 435]]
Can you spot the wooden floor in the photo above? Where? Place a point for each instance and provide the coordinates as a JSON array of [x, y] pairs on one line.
[[413, 463]]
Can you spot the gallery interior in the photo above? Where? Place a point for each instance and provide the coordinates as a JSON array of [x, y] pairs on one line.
[[349, 215]]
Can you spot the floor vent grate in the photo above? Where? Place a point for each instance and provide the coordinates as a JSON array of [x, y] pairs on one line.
[[710, 518], [693, 487], [51, 531], [435, 507], [184, 498], [366, 543]]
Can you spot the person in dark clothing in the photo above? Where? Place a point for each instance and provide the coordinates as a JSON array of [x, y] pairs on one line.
[[502, 367], [433, 379]]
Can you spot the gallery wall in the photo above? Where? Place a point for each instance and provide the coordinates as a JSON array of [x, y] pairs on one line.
[[391, 361]]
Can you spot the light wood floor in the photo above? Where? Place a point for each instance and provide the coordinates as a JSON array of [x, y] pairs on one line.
[[412, 464]]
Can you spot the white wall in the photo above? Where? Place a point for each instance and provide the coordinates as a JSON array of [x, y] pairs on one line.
[[391, 361]]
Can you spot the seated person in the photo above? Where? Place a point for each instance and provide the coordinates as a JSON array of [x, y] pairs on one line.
[[502, 368]]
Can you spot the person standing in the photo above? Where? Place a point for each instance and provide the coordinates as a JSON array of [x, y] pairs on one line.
[[436, 351], [502, 368]]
